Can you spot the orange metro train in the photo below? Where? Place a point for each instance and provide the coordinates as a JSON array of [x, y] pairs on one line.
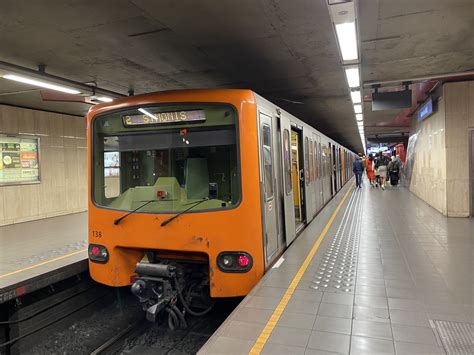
[[194, 194]]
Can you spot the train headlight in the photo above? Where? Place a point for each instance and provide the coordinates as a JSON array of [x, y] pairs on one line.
[[227, 260], [98, 253], [234, 261]]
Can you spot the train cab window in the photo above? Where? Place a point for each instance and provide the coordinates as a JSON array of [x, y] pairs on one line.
[[267, 161], [287, 161], [172, 156]]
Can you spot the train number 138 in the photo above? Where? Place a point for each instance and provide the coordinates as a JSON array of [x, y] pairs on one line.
[[97, 234]]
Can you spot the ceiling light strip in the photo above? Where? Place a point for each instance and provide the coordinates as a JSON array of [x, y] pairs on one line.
[[347, 39], [42, 84], [353, 77]]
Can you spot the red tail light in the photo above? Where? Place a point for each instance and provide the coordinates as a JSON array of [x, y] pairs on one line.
[[234, 261], [95, 250], [243, 260]]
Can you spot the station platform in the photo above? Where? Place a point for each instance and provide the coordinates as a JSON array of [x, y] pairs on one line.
[[376, 272], [38, 253]]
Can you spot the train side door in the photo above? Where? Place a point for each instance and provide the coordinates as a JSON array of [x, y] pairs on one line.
[[471, 153], [297, 176], [268, 184], [288, 196], [331, 168], [318, 174], [307, 176]]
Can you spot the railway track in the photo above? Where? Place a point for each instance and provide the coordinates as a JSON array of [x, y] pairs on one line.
[[81, 317], [115, 343], [145, 337]]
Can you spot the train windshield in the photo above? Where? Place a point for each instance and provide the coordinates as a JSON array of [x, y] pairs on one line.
[[173, 156]]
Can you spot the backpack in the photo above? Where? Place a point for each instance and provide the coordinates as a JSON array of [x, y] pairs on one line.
[[396, 166]]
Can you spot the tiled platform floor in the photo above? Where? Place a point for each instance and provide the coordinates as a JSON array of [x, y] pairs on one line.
[[26, 249], [410, 265]]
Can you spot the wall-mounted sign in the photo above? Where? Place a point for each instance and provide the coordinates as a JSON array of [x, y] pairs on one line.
[[19, 160], [425, 110], [163, 118]]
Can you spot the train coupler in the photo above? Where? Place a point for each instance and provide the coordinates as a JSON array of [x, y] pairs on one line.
[[157, 291]]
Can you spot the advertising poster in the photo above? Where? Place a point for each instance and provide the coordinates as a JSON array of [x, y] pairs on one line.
[[19, 160]]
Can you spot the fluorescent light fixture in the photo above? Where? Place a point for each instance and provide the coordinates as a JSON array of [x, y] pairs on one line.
[[145, 112], [346, 36], [42, 84], [358, 108], [353, 78], [355, 96], [104, 98], [359, 117]]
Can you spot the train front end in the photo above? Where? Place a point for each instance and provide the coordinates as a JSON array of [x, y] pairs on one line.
[[174, 198]]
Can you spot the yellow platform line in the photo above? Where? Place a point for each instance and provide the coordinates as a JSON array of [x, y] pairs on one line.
[[267, 330], [42, 263]]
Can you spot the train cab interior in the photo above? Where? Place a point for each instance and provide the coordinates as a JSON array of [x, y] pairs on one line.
[[175, 166]]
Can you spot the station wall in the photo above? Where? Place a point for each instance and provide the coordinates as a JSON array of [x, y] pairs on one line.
[[428, 179], [63, 164], [459, 120], [440, 174]]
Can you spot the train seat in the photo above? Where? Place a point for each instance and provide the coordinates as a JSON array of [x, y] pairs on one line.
[[196, 178]]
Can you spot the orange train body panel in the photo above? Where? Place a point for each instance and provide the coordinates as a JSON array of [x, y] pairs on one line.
[[238, 229]]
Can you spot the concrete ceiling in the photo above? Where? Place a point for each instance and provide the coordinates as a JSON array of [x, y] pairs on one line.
[[284, 50], [406, 39]]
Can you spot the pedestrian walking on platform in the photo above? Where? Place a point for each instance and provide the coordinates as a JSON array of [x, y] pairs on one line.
[[358, 169], [394, 171], [382, 169], [369, 168]]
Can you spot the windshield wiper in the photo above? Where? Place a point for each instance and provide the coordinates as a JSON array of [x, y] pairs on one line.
[[165, 222], [118, 220]]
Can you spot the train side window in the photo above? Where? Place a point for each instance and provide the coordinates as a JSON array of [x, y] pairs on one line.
[[267, 161], [316, 159], [287, 161], [306, 156], [311, 161]]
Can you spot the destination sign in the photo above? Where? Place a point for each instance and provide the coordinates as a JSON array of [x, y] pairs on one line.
[[157, 118]]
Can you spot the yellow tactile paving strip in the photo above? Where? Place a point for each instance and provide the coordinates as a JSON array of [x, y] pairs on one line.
[[267, 330]]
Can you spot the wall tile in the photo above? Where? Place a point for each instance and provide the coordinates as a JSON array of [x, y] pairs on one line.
[[459, 112], [429, 168], [63, 187]]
